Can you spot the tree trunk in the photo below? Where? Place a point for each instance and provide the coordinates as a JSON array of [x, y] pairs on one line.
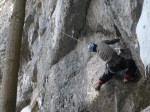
[[11, 67]]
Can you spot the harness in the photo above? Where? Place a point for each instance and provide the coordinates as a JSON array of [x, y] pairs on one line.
[[117, 66]]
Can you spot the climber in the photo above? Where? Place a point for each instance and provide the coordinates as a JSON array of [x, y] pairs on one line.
[[115, 64]]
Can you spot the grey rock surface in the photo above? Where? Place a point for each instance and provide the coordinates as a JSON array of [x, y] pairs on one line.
[[57, 73], [4, 24]]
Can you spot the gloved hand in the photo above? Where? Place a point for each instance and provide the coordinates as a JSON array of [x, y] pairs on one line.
[[98, 85]]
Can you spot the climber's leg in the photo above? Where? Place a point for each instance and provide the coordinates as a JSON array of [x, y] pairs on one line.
[[130, 75]]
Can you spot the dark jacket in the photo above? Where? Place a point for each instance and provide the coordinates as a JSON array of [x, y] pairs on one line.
[[126, 66]]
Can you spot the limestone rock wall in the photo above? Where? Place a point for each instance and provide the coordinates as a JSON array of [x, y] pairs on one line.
[[57, 73]]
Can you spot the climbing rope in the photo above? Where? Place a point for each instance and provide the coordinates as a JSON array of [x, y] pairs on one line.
[[66, 34]]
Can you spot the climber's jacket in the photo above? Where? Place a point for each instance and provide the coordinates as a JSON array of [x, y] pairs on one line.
[[105, 52], [115, 64]]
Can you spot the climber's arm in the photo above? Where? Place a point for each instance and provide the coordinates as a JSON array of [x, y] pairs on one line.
[[113, 41], [106, 76], [103, 79]]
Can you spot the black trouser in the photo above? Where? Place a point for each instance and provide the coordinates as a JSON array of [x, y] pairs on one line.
[[128, 64], [125, 64], [131, 67]]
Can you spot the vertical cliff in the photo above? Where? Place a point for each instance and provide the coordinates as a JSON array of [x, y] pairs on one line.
[[57, 73]]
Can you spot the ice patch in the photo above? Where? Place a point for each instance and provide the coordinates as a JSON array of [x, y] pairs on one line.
[[26, 109], [143, 35], [57, 20]]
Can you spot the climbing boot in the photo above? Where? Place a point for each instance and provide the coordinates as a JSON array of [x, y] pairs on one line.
[[125, 80]]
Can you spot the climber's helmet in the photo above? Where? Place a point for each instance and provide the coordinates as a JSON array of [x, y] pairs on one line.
[[91, 47]]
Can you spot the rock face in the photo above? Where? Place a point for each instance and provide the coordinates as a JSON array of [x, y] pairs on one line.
[[57, 73], [4, 24]]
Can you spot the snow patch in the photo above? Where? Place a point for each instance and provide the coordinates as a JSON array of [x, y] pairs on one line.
[[26, 109], [143, 35], [57, 21]]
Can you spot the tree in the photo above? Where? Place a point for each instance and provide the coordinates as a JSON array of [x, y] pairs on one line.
[[11, 67]]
